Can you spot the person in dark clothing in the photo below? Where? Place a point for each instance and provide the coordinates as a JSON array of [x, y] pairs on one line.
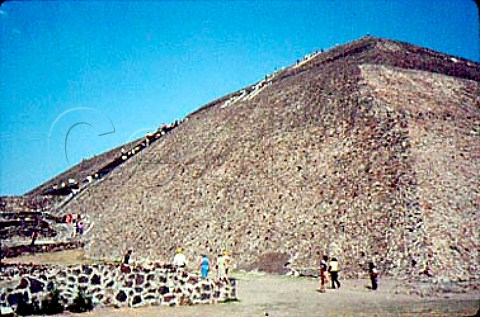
[[126, 257], [1, 255], [372, 271], [34, 237], [333, 269]]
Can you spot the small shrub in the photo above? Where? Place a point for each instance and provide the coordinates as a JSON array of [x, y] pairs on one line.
[[81, 303], [27, 309], [52, 304], [231, 300]]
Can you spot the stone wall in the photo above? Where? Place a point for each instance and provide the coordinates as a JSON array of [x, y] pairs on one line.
[[19, 250], [113, 285]]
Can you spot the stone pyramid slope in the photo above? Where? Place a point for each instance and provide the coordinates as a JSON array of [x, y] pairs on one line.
[[367, 151]]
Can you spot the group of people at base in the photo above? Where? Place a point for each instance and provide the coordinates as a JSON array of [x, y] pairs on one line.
[[333, 269], [222, 264], [204, 266]]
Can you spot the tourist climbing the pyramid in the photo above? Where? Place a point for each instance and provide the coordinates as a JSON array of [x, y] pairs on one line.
[[80, 226], [34, 237]]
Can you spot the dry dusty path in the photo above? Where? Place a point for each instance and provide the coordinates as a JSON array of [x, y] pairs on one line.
[[283, 296]]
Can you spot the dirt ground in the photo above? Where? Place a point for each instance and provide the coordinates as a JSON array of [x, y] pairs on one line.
[[273, 295], [70, 257], [270, 295]]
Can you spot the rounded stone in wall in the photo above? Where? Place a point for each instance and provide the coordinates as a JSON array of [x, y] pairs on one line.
[[83, 279], [96, 290], [26, 296], [150, 277], [163, 290], [71, 285], [151, 290], [50, 286], [14, 298], [151, 299], [139, 279], [185, 300], [121, 296], [169, 298], [136, 300], [96, 280], [87, 270], [177, 290], [23, 284], [36, 286]]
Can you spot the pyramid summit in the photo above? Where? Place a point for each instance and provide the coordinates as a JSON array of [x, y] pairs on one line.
[[367, 151]]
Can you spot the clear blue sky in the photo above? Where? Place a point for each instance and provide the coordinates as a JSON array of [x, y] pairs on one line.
[[84, 69]]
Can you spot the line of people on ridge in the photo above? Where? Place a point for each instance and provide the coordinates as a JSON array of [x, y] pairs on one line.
[[73, 187], [333, 269], [222, 265]]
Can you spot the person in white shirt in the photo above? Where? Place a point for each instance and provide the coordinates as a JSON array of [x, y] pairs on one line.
[[333, 269], [221, 267], [227, 260], [179, 259]]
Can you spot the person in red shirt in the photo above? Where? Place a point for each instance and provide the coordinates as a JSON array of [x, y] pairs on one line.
[[323, 274]]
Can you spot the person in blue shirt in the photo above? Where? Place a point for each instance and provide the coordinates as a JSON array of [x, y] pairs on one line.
[[204, 266]]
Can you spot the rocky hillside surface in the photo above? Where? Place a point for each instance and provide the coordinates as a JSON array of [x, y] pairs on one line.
[[370, 150]]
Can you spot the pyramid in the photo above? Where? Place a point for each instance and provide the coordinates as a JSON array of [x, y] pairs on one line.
[[367, 151]]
